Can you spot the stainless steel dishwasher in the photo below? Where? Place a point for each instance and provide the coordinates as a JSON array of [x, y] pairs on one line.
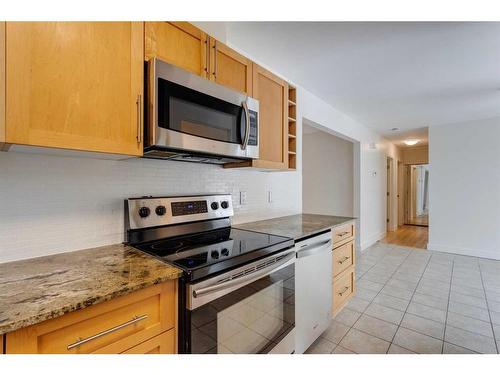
[[313, 289]]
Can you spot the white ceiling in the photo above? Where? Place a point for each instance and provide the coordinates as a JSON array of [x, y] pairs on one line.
[[407, 75]]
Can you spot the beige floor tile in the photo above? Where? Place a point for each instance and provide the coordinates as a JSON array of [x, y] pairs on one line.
[[395, 349], [469, 340], [384, 313], [365, 294], [321, 346], [423, 325], [427, 312], [397, 292], [469, 300], [376, 327], [468, 310], [393, 302], [417, 342], [357, 304], [436, 302], [347, 316], [341, 350], [335, 332], [454, 349], [370, 285], [469, 324], [362, 343]]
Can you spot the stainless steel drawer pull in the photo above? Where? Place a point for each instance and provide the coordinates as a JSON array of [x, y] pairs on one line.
[[343, 260], [346, 288], [343, 234], [139, 118], [108, 331]]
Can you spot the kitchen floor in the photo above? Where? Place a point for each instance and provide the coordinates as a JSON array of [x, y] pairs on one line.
[[414, 301]]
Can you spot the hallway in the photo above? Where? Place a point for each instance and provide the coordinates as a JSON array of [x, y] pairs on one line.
[[408, 235]]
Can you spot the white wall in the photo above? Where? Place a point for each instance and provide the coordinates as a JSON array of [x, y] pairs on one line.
[[327, 174], [52, 204], [464, 191], [372, 153]]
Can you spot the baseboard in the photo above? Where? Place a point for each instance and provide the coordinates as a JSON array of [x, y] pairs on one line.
[[372, 239], [480, 253]]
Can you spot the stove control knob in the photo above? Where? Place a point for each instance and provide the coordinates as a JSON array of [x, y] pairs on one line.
[[144, 212], [214, 254], [224, 204], [161, 210], [225, 252], [214, 205]]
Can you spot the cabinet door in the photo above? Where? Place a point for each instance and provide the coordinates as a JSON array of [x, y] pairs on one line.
[[75, 85], [161, 344], [178, 43], [229, 68], [272, 93]]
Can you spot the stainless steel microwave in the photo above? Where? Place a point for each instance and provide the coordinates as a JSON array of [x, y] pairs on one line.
[[190, 118]]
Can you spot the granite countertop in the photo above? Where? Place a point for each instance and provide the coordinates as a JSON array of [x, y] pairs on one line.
[[38, 289], [295, 226]]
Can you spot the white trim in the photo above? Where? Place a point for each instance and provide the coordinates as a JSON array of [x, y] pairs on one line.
[[372, 239], [480, 253]]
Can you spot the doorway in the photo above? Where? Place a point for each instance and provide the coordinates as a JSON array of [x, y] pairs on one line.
[[417, 195], [389, 220]]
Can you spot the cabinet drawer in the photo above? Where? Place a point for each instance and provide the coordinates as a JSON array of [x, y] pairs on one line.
[[343, 288], [343, 233], [161, 344], [343, 258], [111, 327]]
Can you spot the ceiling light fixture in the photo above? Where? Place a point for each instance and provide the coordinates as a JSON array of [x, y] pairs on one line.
[[411, 142]]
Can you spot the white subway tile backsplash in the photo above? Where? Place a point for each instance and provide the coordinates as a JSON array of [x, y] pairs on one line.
[[52, 204]]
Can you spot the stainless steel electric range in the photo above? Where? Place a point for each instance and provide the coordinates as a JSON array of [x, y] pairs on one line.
[[237, 291]]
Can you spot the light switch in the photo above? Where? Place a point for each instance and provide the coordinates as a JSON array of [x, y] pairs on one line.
[[243, 198]]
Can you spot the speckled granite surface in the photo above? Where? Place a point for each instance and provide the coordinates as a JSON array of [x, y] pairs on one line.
[[295, 226], [38, 289]]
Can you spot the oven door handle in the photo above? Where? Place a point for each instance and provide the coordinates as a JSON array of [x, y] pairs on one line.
[[243, 279], [246, 138]]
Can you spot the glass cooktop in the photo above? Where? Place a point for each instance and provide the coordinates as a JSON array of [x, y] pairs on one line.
[[205, 253]]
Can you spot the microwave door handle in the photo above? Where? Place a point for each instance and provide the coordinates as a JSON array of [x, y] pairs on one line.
[[247, 126]]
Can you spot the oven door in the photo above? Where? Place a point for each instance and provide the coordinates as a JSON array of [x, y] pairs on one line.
[[247, 310], [193, 114]]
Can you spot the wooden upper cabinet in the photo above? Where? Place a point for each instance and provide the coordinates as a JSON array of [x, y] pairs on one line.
[[75, 85], [229, 68], [178, 43], [272, 93]]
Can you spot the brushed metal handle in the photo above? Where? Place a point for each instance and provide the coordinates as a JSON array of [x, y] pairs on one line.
[[346, 288], [106, 332], [343, 234], [343, 260], [247, 126], [207, 53], [215, 59], [139, 118]]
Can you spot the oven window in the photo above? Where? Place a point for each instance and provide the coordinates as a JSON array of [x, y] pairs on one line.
[[191, 112], [252, 319]]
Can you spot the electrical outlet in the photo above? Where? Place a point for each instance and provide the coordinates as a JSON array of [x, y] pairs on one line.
[[269, 196], [243, 198]]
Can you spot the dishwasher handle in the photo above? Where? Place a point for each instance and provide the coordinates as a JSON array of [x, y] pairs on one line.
[[314, 249]]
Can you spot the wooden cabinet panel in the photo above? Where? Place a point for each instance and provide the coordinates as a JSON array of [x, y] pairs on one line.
[[343, 233], [2, 84], [229, 68], [75, 85], [178, 43], [108, 324], [343, 288], [1, 345], [343, 258], [161, 344]]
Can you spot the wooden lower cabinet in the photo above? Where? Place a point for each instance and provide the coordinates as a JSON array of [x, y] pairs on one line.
[[344, 263], [1, 344], [141, 321], [161, 344]]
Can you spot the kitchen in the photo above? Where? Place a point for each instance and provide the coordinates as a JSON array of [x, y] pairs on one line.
[[173, 187], [191, 119]]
